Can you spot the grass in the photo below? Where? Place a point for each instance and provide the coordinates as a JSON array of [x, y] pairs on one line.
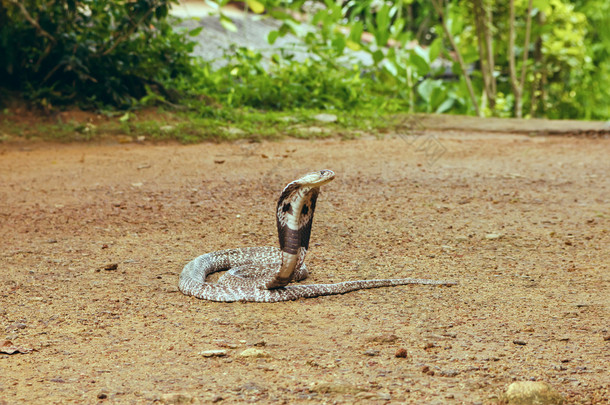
[[160, 125]]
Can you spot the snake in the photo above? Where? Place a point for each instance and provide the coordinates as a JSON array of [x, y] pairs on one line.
[[265, 274]]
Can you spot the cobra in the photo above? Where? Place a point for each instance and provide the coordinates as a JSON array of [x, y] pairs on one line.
[[264, 274]]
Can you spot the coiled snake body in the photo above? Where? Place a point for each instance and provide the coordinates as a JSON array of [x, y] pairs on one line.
[[262, 274]]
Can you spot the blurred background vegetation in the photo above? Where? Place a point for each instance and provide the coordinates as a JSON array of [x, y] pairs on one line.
[[516, 58]]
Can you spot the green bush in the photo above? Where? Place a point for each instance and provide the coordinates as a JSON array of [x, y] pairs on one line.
[[89, 52], [284, 85]]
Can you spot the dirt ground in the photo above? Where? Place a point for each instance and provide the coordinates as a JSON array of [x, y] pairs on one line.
[[94, 238]]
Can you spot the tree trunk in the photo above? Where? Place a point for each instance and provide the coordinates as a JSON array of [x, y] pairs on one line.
[[537, 89], [458, 56], [518, 84], [483, 22]]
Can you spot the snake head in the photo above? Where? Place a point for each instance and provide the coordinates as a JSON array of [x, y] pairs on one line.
[[315, 179], [299, 189]]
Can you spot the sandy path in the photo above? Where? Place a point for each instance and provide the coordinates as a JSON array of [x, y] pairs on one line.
[[521, 222]]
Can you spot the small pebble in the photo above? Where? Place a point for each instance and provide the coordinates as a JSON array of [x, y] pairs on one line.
[[213, 353], [325, 117], [401, 353], [449, 373], [385, 338], [426, 370], [253, 352], [15, 326], [337, 388], [178, 398]]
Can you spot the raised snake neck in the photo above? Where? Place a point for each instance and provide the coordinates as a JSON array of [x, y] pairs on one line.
[[263, 274], [294, 217]]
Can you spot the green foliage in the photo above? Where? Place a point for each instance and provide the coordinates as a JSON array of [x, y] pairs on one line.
[[595, 98], [567, 55], [564, 60], [125, 53], [89, 52], [283, 85]]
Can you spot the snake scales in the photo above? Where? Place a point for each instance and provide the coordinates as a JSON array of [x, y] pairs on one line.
[[263, 274]]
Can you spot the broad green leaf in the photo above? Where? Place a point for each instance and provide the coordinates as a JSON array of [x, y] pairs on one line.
[[445, 106], [338, 44], [381, 37], [423, 53], [421, 66], [318, 17], [394, 10], [426, 88], [377, 56], [335, 9], [284, 29], [194, 32], [438, 95], [382, 25], [256, 6], [435, 49], [272, 37], [279, 14], [470, 54], [391, 68], [540, 4], [354, 46], [310, 38], [397, 27], [403, 38], [382, 18], [227, 23], [161, 12], [355, 34], [296, 27]]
